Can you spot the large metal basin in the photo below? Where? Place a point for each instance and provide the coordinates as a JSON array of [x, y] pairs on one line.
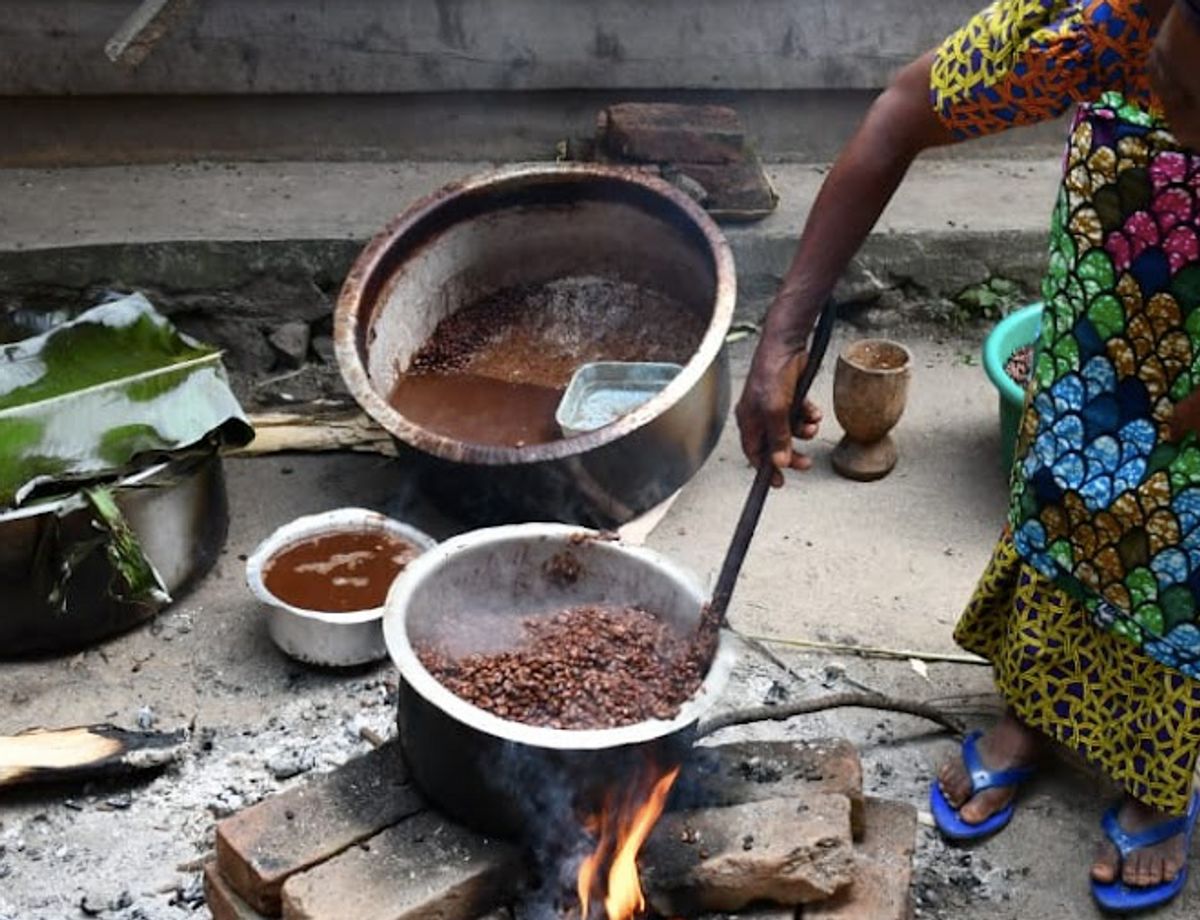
[[532, 225], [503, 777]]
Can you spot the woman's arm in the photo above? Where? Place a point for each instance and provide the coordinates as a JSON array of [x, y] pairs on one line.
[[900, 125]]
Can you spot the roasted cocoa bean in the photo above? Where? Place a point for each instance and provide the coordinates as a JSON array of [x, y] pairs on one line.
[[587, 667]]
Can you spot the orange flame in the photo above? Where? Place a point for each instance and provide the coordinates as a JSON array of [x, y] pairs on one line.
[[622, 831]]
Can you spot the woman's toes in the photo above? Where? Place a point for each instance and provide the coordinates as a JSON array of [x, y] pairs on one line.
[[953, 784], [984, 805], [1143, 870], [1131, 871], [1106, 864], [1171, 869]]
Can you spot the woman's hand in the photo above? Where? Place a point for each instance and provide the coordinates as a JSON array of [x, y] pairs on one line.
[[765, 409], [900, 124], [1175, 71]]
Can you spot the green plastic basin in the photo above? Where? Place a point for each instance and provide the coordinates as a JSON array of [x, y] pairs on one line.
[[1014, 331]]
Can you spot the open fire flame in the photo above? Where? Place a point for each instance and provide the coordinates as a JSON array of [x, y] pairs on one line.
[[624, 822]]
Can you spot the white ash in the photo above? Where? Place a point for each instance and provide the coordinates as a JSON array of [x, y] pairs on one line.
[[135, 835]]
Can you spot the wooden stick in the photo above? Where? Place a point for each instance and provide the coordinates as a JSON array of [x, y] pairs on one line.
[[371, 736], [282, 432], [867, 651], [44, 756], [834, 701], [135, 39]]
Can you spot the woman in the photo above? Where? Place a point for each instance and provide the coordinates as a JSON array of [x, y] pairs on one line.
[[1090, 607]]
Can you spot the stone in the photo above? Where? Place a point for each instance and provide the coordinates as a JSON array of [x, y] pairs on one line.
[[668, 133], [93, 904], [260, 847], [733, 774], [424, 868], [222, 901], [322, 345], [883, 879], [291, 763], [733, 191], [291, 341], [784, 851]]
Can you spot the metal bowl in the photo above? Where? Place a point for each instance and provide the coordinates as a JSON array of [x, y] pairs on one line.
[[492, 773], [178, 510], [313, 636], [532, 225]]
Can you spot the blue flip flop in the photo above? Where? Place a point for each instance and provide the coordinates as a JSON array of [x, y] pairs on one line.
[[947, 817], [1119, 898]]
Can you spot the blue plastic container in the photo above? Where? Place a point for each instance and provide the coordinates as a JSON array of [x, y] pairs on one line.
[[1015, 331]]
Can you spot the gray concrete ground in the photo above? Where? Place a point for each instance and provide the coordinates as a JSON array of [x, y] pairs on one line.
[[46, 208], [888, 564]]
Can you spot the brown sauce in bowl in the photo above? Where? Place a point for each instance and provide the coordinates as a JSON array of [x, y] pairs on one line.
[[339, 573]]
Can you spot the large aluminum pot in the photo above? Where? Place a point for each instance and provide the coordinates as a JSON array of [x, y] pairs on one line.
[[531, 225], [503, 777], [179, 512]]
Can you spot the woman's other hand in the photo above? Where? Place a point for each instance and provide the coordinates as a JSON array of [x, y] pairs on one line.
[[765, 409]]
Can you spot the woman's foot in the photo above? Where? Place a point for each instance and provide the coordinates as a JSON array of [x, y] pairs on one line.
[[1145, 867], [1008, 745]]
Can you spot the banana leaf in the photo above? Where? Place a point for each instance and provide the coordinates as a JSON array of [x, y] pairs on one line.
[[117, 386]]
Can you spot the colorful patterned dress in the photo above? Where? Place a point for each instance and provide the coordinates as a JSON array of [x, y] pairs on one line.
[[1090, 607]]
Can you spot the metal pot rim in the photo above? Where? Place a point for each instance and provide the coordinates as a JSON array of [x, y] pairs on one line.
[[347, 315], [74, 500], [315, 525], [419, 679]]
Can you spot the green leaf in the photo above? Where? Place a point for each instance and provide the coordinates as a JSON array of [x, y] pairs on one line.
[[140, 581], [86, 400]]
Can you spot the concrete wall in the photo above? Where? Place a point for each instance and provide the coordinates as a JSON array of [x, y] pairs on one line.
[[55, 47]]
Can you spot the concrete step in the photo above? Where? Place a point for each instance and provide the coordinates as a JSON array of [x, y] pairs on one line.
[[198, 232]]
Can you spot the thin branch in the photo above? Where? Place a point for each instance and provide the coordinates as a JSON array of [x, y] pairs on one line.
[[833, 701], [867, 651]]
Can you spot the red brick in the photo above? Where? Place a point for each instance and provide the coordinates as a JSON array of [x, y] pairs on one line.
[[259, 848], [882, 888], [666, 133], [223, 902], [735, 191], [784, 851], [424, 868], [731, 774]]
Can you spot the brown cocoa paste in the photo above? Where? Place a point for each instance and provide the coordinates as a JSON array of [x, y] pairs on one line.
[[1020, 365], [493, 372], [479, 410], [339, 573], [583, 668]]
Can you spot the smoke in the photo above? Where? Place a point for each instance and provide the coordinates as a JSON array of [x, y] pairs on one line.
[[546, 794]]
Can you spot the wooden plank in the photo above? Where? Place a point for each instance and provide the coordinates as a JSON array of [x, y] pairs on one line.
[[83, 753], [282, 432]]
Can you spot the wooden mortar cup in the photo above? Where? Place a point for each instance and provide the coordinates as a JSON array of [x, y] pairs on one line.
[[870, 390]]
